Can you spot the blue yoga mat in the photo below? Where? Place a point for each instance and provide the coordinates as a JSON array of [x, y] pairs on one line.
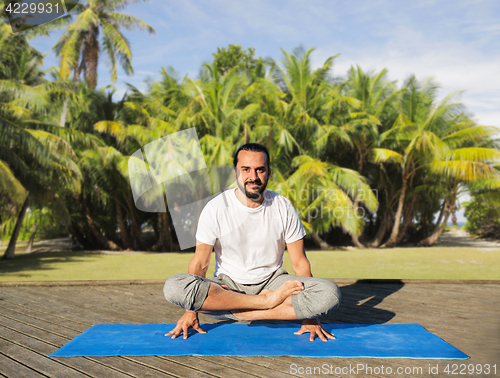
[[353, 340]]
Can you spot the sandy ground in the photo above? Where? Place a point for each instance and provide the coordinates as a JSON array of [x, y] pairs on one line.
[[462, 239]]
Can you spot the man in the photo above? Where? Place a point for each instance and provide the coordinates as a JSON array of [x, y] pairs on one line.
[[248, 228]]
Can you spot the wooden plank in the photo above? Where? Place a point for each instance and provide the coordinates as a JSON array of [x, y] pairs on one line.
[[454, 316], [466, 297], [57, 310], [156, 305], [92, 367], [47, 337], [135, 299], [172, 367], [133, 368], [465, 300], [117, 304], [37, 323], [81, 297], [43, 343], [39, 315], [90, 313], [246, 366], [448, 290], [37, 361], [210, 367], [361, 367], [281, 364], [13, 369], [449, 311]]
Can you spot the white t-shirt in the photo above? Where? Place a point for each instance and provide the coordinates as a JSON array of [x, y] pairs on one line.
[[249, 242]]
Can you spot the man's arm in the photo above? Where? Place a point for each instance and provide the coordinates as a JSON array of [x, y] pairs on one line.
[[302, 267], [201, 259], [198, 265], [300, 263]]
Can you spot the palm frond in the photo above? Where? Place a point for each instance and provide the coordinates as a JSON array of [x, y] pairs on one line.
[[382, 155]]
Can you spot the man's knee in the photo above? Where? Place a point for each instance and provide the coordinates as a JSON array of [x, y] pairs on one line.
[[319, 297], [331, 295], [172, 290], [186, 290]]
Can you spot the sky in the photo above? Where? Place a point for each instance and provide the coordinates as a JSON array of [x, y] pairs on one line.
[[457, 43]]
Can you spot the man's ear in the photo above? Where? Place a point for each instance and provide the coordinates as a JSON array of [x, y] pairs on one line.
[[235, 173]]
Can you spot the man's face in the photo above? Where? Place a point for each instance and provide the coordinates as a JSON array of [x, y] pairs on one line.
[[252, 173]]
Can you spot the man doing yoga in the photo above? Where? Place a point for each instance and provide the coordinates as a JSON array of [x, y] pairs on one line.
[[248, 227]]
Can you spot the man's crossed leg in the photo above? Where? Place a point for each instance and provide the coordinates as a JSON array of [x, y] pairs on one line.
[[281, 297]]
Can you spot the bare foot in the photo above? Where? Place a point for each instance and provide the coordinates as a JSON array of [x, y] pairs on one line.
[[276, 297]]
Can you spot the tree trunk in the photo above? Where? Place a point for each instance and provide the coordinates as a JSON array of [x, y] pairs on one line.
[[105, 243], [354, 236], [76, 71], [320, 243], [82, 237], [397, 218], [440, 215], [156, 230], [136, 226], [409, 213], [31, 240], [433, 238], [64, 113], [379, 236], [92, 55], [165, 242], [123, 227], [11, 248]]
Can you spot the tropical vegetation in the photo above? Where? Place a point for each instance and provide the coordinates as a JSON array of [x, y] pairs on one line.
[[363, 160], [483, 214]]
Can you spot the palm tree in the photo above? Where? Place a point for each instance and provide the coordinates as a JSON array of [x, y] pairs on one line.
[[374, 95], [426, 136], [12, 193], [462, 167], [80, 46], [318, 191], [34, 156], [306, 91], [137, 121]]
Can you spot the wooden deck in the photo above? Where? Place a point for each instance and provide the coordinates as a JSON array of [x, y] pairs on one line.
[[37, 320]]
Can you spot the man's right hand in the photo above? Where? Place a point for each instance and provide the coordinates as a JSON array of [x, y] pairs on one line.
[[188, 320]]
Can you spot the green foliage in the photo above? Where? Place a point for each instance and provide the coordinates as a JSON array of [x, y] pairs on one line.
[[483, 214], [333, 143], [48, 225], [96, 27], [234, 57]]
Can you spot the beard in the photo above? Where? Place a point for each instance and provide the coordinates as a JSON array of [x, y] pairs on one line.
[[252, 193]]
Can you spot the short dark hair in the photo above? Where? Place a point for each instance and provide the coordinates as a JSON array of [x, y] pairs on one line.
[[254, 147]]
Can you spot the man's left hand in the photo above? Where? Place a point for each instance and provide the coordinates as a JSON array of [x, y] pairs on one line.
[[313, 326]]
